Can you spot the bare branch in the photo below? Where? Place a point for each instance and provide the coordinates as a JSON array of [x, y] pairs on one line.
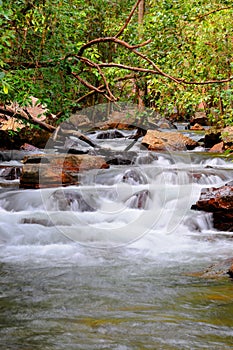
[[128, 19], [26, 116], [222, 81], [91, 87], [97, 66], [131, 68], [126, 77], [213, 11], [111, 39]]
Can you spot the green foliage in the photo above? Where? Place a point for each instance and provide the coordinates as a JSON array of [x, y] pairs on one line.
[[190, 40]]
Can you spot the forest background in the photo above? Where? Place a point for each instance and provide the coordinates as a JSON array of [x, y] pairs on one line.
[[172, 56]]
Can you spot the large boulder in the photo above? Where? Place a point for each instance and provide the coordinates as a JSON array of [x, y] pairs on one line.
[[218, 201], [172, 141], [51, 170]]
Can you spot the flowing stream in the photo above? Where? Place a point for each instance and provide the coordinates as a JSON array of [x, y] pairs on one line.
[[111, 264]]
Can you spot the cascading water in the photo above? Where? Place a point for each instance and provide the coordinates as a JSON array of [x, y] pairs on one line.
[[105, 265]]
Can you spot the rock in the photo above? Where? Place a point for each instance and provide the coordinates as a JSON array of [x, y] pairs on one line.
[[218, 148], [10, 172], [80, 121], [111, 134], [212, 137], [134, 177], [116, 157], [14, 140], [200, 118], [218, 201], [164, 123], [71, 200], [230, 270], [40, 171], [138, 200], [167, 141], [129, 119], [218, 270], [197, 127], [227, 138], [29, 148]]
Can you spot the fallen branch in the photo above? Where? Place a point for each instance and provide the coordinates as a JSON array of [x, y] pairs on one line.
[[27, 117]]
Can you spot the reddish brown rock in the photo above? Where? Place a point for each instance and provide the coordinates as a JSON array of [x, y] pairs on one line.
[[218, 148], [218, 201], [197, 127], [173, 141], [53, 170]]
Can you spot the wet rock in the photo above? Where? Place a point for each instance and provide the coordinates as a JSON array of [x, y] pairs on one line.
[[37, 221], [139, 200], [218, 201], [51, 170], [6, 156], [111, 134], [134, 177], [230, 270], [74, 201], [10, 173], [73, 146], [218, 148], [172, 141], [116, 157], [197, 127]]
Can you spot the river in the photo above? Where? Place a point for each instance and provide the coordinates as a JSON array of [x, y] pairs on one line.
[[117, 271]]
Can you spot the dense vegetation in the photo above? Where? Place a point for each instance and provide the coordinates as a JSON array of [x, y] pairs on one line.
[[187, 61]]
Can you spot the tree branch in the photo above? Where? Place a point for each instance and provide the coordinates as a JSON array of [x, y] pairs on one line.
[[213, 11], [128, 19], [110, 39], [26, 116]]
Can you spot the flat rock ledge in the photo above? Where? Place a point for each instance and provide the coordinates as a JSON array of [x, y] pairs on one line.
[[156, 140], [52, 170]]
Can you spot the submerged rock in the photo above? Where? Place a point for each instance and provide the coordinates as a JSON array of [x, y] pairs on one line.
[[221, 269], [139, 200], [134, 177], [167, 141], [72, 200]]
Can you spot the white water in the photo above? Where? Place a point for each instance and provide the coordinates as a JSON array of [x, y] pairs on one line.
[[111, 276]]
